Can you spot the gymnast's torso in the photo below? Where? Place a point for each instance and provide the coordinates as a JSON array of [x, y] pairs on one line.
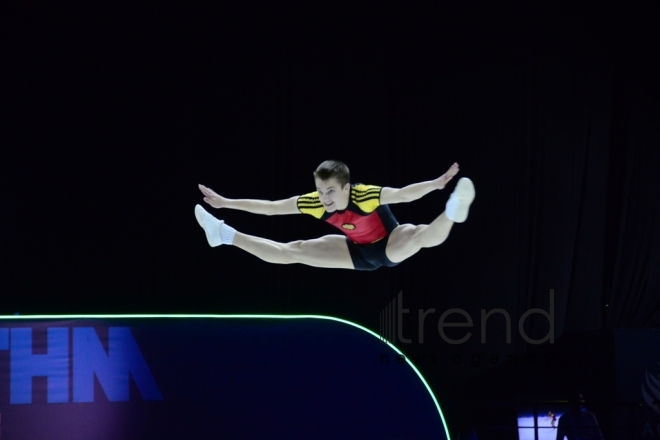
[[363, 221]]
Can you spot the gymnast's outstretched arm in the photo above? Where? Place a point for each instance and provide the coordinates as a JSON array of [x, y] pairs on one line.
[[416, 190], [265, 207]]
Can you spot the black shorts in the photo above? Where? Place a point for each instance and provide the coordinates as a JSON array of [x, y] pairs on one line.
[[369, 256]]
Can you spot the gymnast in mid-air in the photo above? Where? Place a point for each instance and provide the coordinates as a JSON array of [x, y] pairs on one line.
[[372, 236]]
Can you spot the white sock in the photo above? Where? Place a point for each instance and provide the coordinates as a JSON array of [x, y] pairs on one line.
[[459, 202], [227, 233], [217, 232]]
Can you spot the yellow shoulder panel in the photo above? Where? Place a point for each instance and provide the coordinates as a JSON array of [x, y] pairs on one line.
[[366, 197], [311, 204]]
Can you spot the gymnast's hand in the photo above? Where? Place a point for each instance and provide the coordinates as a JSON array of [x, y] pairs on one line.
[[443, 180], [212, 198]]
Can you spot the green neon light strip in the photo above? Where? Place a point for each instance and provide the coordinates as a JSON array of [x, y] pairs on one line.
[[182, 316]]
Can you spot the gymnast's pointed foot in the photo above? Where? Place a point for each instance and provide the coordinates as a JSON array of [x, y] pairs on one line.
[[217, 232], [460, 200]]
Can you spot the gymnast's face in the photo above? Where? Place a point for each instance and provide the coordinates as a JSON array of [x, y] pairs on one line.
[[332, 195]]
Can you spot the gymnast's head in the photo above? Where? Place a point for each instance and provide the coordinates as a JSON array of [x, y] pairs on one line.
[[333, 184]]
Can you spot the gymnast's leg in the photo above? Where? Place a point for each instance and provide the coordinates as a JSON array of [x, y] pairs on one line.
[[406, 240], [330, 251]]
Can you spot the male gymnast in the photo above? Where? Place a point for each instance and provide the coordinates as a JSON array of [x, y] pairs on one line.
[[373, 238]]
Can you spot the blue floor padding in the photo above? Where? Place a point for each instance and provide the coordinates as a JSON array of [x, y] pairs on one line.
[[207, 377]]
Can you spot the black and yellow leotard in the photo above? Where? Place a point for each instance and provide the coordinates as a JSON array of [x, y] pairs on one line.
[[363, 221]]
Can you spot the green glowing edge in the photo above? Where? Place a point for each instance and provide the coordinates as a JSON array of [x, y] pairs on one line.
[[330, 318]]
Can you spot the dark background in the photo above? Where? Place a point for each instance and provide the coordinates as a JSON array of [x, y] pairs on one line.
[[112, 114]]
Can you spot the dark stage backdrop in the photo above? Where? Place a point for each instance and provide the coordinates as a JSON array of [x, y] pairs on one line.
[[112, 114]]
